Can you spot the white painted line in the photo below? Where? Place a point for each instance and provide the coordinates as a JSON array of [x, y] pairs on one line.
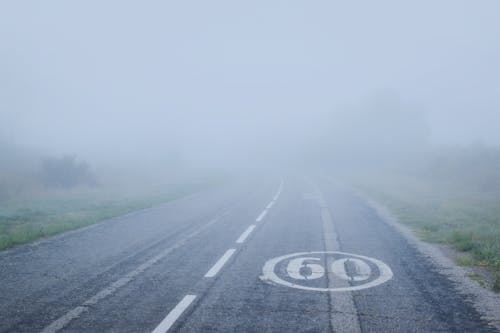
[[271, 204], [62, 321], [280, 189], [343, 312], [218, 265], [277, 195], [245, 234], [74, 313], [173, 315], [261, 216]]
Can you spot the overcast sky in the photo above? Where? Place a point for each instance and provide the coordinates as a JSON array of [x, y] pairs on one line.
[[93, 76]]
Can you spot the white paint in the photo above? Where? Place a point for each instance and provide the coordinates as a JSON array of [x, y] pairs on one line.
[[280, 188], [245, 234], [295, 265], [362, 270], [74, 313], [269, 274], [271, 204], [343, 312], [220, 263], [173, 315], [261, 216], [64, 320]]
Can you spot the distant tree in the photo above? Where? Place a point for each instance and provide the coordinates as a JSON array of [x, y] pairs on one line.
[[65, 172], [476, 166], [384, 131]]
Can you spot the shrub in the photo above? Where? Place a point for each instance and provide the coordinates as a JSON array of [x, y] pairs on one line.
[[65, 172]]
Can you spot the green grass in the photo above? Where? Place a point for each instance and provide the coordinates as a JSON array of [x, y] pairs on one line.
[[464, 261], [478, 278], [444, 212], [43, 213]]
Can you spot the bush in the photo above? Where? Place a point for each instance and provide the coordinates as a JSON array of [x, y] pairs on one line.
[[476, 166], [65, 172]]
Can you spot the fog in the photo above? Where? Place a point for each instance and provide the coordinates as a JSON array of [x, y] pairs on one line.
[[226, 84]]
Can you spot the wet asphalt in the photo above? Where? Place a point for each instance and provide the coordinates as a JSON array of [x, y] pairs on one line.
[[129, 274]]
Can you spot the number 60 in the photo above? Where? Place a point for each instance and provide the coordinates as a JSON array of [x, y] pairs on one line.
[[300, 269]]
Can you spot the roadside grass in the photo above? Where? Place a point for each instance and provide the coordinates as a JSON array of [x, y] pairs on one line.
[[445, 212], [42, 213]]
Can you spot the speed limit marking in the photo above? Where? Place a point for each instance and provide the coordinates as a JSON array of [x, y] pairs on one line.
[[314, 271]]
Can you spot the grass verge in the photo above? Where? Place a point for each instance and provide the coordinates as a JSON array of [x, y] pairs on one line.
[[49, 212], [443, 212]]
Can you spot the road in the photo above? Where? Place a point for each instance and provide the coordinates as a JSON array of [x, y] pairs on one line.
[[275, 255]]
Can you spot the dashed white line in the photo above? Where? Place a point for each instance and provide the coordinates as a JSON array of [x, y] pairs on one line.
[[261, 216], [173, 315], [179, 309], [279, 190], [74, 313], [220, 263], [245, 234]]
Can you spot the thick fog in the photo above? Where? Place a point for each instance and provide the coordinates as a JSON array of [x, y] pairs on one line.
[[228, 83]]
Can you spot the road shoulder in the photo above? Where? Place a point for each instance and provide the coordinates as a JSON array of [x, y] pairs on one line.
[[485, 301]]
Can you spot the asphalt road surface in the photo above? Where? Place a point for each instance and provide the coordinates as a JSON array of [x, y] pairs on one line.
[[276, 255]]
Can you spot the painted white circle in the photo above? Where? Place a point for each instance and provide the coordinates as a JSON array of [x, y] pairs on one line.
[[385, 273]]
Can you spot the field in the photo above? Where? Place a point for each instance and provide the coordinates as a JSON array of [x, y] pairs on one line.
[[44, 212]]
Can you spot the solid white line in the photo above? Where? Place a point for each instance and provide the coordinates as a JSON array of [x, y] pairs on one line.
[[245, 234], [218, 265], [261, 216], [271, 204], [343, 312], [173, 315]]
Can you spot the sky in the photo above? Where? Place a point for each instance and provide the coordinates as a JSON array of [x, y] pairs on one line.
[[211, 77]]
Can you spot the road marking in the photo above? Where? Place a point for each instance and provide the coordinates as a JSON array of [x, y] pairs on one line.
[[343, 312], [336, 271], [362, 270], [179, 309], [74, 313], [271, 204], [220, 263], [64, 320], [245, 234], [294, 269], [261, 216], [276, 196], [173, 315]]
